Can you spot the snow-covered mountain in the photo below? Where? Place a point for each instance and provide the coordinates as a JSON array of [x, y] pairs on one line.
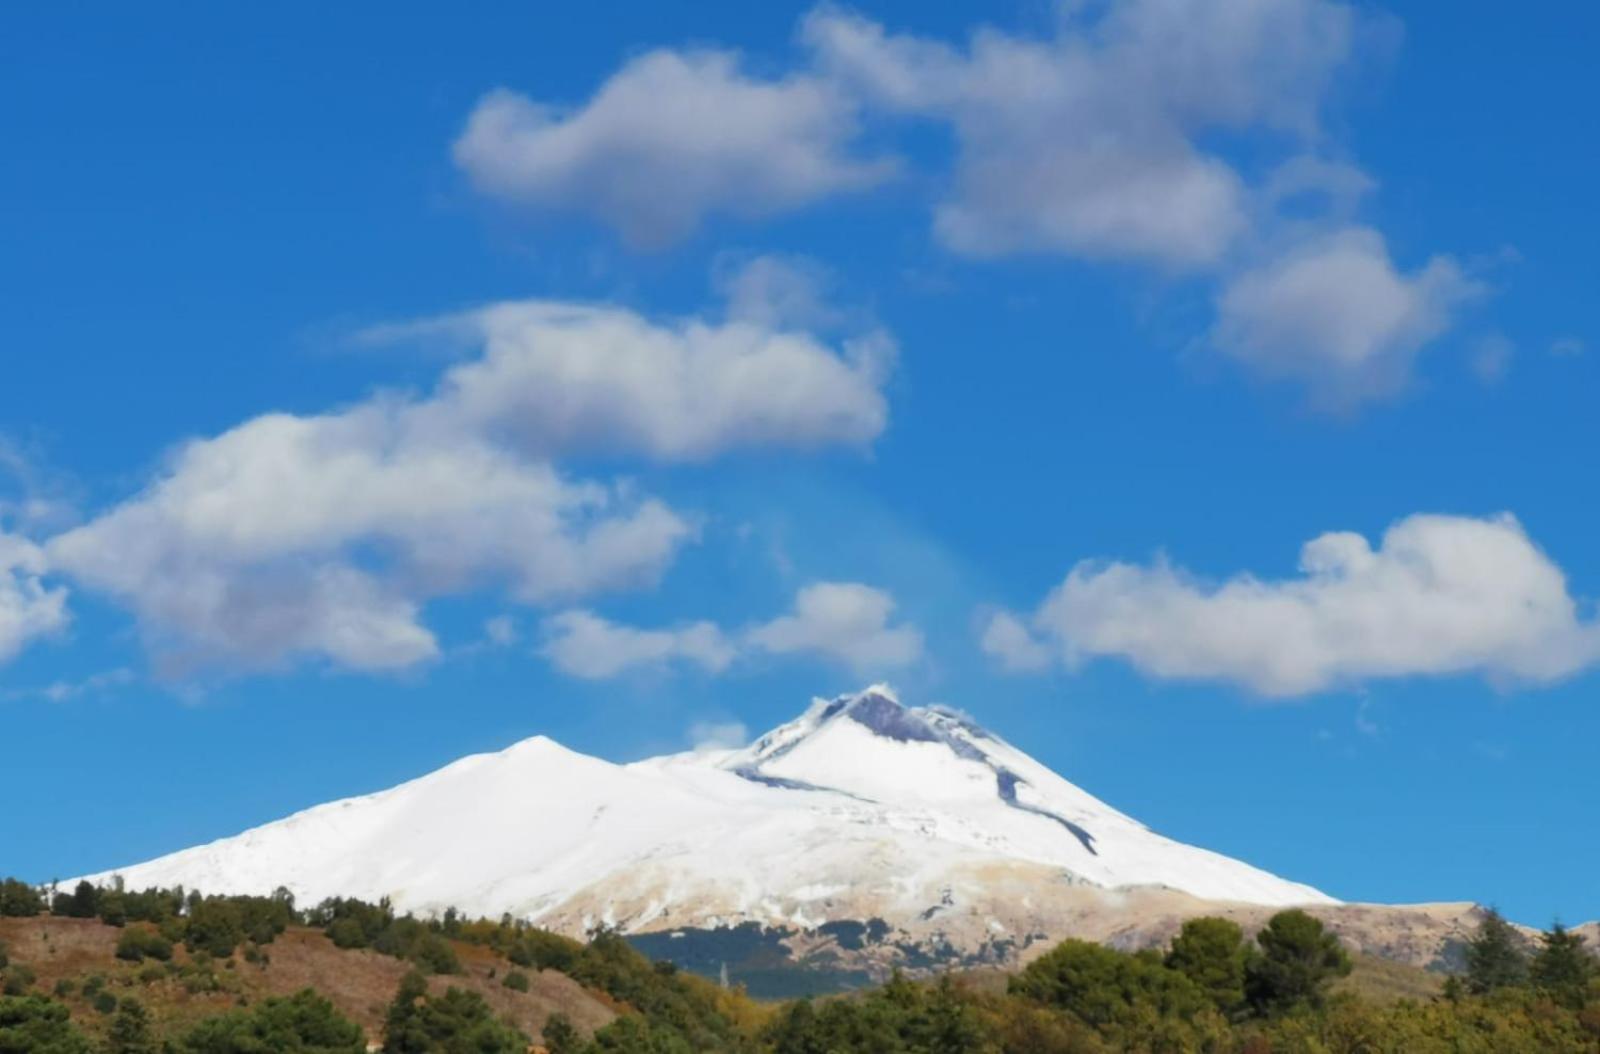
[[859, 809]]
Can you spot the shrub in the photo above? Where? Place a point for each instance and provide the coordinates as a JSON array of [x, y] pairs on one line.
[[459, 1020], [434, 954], [516, 980], [1102, 986], [560, 1037], [137, 944], [36, 1025], [129, 1032], [18, 980], [305, 1022], [19, 900], [105, 1002]]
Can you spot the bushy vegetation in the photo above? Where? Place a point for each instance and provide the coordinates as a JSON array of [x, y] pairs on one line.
[[36, 1025], [1214, 989], [457, 1022], [304, 1023]]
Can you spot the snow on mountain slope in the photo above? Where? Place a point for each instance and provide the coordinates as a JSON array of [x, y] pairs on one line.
[[860, 808]]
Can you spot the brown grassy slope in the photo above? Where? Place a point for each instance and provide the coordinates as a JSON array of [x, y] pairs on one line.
[[359, 982], [1384, 981]]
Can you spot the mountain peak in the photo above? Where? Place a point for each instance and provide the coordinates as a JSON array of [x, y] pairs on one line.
[[862, 807]]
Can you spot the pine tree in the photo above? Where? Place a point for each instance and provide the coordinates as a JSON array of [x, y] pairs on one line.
[[1298, 960], [1562, 966], [1495, 958], [1211, 953], [130, 1030]]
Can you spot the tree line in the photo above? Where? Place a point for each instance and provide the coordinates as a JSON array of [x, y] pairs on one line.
[[1212, 988]]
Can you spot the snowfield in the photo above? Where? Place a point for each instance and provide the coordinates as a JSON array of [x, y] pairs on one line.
[[860, 808]]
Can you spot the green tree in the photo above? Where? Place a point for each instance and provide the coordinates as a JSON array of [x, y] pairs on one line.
[[1562, 966], [458, 1022], [1102, 986], [560, 1036], [1495, 958], [36, 1025], [304, 1023], [1298, 960], [129, 1032], [215, 926], [1211, 952], [137, 943], [18, 899], [82, 903], [516, 980]]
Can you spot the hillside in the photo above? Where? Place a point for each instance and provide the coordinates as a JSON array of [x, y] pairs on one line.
[[68, 952], [1214, 987]]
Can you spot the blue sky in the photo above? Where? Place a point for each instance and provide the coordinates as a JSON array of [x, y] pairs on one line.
[[1012, 355]]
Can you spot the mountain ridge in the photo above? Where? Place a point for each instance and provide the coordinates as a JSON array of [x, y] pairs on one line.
[[950, 840]]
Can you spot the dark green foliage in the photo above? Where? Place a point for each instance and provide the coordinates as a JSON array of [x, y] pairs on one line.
[[1562, 966], [1211, 952], [82, 903], [544, 951], [137, 944], [304, 1023], [900, 1018], [458, 1022], [1298, 960], [36, 1025], [677, 1004], [129, 1032], [5, 955], [18, 980], [1495, 958], [351, 923], [1102, 986], [347, 933], [218, 925], [560, 1036], [636, 1035], [516, 980], [104, 1003], [433, 954], [19, 900]]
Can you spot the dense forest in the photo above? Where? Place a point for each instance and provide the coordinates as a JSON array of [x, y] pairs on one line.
[[1214, 988]]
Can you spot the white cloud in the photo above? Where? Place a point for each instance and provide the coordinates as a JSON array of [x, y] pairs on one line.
[[500, 631], [1440, 595], [1089, 142], [844, 622], [1566, 347], [324, 535], [1491, 358], [289, 536], [1007, 639], [775, 291], [1337, 313], [668, 140], [718, 735], [583, 644], [841, 622], [1175, 133], [561, 377], [29, 607]]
